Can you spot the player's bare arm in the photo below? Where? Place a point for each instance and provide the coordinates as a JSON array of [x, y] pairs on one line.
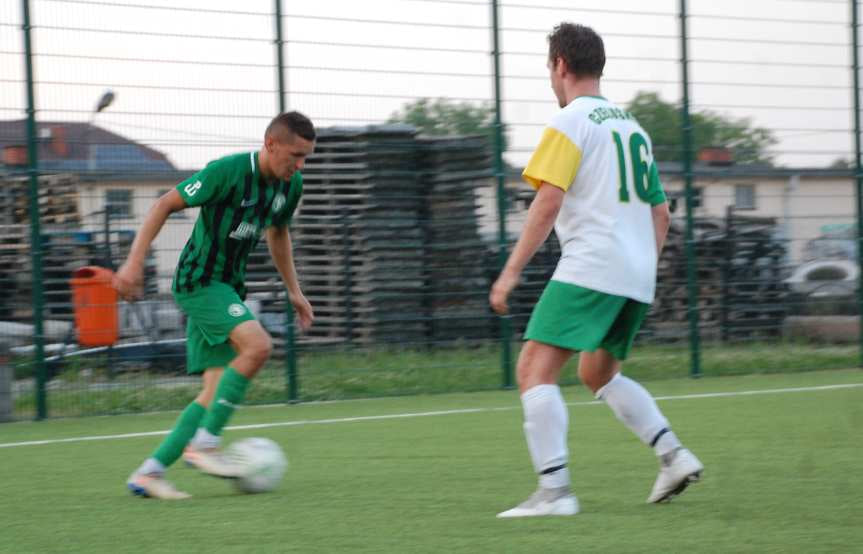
[[661, 222], [129, 279], [281, 250], [540, 221]]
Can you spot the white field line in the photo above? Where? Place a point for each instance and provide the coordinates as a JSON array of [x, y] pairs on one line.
[[428, 414]]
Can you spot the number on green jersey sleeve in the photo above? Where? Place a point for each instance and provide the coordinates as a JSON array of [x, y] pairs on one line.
[[205, 186]]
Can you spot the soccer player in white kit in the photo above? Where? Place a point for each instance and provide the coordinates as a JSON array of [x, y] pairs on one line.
[[598, 187]]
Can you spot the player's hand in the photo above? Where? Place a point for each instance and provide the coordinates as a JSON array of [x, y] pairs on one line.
[[303, 309], [129, 281], [500, 292]]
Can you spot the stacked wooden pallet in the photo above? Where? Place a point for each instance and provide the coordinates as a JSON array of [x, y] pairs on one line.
[[361, 228], [65, 247], [63, 252], [357, 237], [534, 278], [58, 200], [58, 209], [740, 288], [14, 255], [756, 297], [386, 239], [668, 316], [458, 280]]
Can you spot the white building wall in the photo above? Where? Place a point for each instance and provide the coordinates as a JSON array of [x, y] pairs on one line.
[[804, 207], [171, 239]]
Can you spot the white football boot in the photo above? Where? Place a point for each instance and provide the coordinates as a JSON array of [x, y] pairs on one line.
[[677, 470], [545, 502], [154, 485], [212, 461]]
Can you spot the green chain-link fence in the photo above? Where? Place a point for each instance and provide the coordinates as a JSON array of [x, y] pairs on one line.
[[427, 110]]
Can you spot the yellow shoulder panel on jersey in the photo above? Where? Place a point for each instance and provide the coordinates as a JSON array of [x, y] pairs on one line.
[[555, 161]]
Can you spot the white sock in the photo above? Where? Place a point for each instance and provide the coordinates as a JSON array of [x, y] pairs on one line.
[[203, 439], [151, 465], [636, 409], [546, 421]]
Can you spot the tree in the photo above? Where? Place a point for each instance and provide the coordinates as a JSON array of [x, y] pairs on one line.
[[842, 163], [444, 117], [663, 122]]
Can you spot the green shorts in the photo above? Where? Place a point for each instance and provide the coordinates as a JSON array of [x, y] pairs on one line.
[[213, 312], [573, 317]]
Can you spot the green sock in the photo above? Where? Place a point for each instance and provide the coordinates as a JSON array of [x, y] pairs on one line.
[[184, 429], [229, 395]]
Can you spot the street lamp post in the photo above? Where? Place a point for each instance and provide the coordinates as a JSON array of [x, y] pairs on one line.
[[103, 103]]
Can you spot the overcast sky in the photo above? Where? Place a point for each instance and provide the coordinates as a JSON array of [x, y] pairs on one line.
[[196, 79]]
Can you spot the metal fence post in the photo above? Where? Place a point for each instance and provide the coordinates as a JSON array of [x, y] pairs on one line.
[[348, 282], [35, 231], [691, 274], [725, 291], [506, 321], [291, 376], [7, 404], [280, 57], [858, 164]]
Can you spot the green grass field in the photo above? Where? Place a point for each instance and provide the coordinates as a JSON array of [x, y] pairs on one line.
[[397, 371], [782, 475]]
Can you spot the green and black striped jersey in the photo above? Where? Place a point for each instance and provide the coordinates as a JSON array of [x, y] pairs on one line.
[[236, 206]]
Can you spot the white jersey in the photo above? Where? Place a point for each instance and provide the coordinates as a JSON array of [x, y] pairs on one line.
[[603, 159]]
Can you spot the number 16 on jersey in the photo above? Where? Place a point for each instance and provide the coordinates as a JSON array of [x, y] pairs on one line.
[[641, 160]]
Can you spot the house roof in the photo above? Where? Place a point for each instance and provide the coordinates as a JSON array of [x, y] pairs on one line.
[[74, 146]]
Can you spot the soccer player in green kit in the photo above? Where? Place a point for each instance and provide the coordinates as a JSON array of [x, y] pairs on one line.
[[241, 197]]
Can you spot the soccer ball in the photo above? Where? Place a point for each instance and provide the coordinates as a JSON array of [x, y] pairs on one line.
[[262, 461]]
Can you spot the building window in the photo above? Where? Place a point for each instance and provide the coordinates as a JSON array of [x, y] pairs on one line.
[[744, 197], [118, 203], [697, 196]]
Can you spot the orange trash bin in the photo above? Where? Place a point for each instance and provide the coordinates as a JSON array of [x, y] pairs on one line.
[[95, 301]]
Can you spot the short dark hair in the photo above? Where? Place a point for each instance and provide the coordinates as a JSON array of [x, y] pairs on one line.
[[579, 46], [291, 123]]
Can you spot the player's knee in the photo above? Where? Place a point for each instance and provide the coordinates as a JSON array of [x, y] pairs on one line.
[[587, 376], [263, 348], [529, 373], [589, 380], [522, 366], [523, 373], [595, 378], [259, 349]]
